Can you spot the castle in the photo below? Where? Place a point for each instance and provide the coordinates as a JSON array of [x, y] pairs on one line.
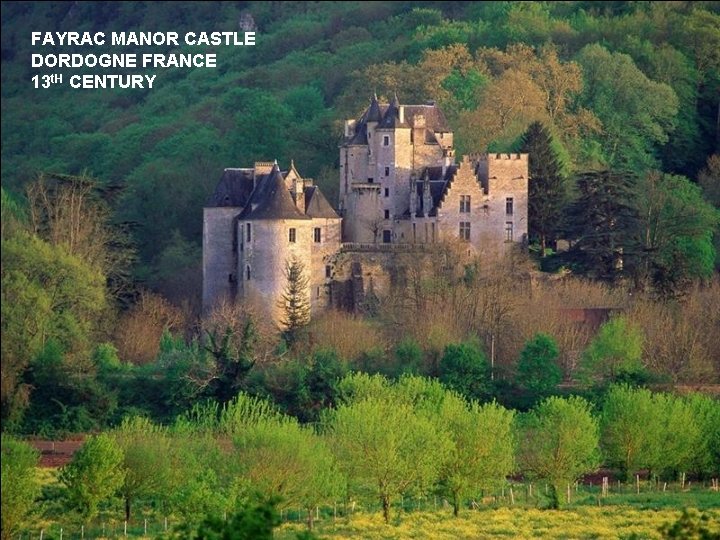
[[400, 188]]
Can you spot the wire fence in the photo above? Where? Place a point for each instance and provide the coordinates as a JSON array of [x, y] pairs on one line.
[[513, 494]]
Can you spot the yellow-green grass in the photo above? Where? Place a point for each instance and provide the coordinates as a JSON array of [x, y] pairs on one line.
[[609, 522], [620, 516]]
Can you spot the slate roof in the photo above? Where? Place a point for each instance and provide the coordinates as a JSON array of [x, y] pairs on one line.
[[439, 184], [272, 200], [316, 205], [388, 116], [233, 189], [391, 118]]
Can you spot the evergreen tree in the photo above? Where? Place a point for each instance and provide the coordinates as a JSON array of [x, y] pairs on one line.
[[538, 370], [295, 301], [603, 223], [547, 192]]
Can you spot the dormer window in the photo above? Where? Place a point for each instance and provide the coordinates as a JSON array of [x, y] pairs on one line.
[[386, 140], [293, 235]]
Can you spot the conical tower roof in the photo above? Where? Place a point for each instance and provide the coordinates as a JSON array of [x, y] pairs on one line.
[[272, 200]]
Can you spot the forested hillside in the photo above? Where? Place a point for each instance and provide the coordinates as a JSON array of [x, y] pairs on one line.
[[103, 194], [629, 83]]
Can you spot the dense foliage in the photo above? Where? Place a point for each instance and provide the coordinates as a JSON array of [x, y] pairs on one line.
[[385, 440], [618, 104]]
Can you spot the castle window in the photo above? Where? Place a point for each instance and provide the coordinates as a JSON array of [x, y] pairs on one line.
[[247, 272], [317, 293], [387, 236], [387, 171], [248, 235], [231, 278], [293, 235], [328, 271], [509, 206], [508, 231], [464, 204], [386, 140], [387, 191], [371, 180], [465, 230], [387, 214], [317, 235]]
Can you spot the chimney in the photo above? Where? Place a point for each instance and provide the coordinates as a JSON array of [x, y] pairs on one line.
[[447, 160], [401, 114], [299, 187]]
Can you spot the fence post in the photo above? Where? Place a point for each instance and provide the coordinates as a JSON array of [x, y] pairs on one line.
[[568, 493], [165, 523], [145, 528], [637, 483], [512, 497], [125, 528], [61, 533], [82, 532]]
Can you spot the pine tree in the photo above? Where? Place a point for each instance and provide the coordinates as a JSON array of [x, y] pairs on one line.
[[604, 224], [295, 301], [547, 192]]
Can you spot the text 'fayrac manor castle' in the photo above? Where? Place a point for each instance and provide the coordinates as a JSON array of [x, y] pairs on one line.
[[401, 192]]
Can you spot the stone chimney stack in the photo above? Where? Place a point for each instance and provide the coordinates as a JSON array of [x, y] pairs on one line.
[[448, 158], [300, 194]]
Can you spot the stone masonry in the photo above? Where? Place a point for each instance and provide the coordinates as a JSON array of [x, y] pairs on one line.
[[400, 191]]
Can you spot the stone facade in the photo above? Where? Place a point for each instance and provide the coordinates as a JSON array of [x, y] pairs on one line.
[[400, 191], [258, 221]]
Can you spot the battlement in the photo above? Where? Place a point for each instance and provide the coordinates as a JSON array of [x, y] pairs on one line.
[[493, 156], [263, 167]]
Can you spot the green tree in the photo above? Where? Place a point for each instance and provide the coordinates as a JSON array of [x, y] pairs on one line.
[[603, 225], [547, 192], [319, 385], [538, 370], [145, 449], [295, 302], [94, 475], [465, 369], [632, 427], [234, 358], [20, 487], [678, 229], [559, 443], [385, 448], [290, 462], [706, 455], [47, 294], [409, 356], [615, 352], [483, 447], [681, 436], [637, 114]]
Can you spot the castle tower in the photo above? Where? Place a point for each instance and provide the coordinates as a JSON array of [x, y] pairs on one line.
[[382, 151]]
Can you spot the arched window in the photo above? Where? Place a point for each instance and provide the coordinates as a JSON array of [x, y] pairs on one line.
[[247, 272]]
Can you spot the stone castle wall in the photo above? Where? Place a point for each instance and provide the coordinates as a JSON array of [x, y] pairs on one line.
[[219, 256]]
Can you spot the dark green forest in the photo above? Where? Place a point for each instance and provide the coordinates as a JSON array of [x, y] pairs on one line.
[[100, 299]]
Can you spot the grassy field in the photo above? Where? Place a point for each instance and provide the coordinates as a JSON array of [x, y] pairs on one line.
[[609, 522], [622, 514]]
